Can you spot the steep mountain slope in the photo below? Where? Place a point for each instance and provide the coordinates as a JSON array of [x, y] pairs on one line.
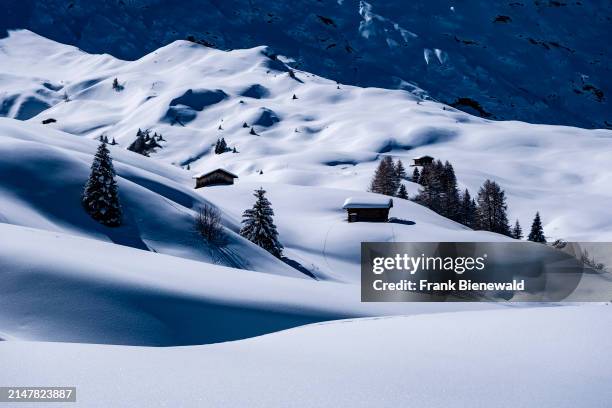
[[504, 59], [329, 136]]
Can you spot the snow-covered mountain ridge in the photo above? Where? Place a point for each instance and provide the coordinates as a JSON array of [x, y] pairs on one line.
[[537, 61]]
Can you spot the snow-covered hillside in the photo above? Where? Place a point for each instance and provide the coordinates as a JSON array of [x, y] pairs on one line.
[[546, 358], [61, 287], [537, 61], [330, 136], [43, 173]]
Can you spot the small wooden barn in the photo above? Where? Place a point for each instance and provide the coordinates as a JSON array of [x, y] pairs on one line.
[[368, 209], [215, 178], [422, 161]]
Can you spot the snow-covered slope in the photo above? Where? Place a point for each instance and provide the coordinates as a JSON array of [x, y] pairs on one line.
[[312, 226], [546, 358], [521, 60], [60, 287], [43, 173], [330, 136]]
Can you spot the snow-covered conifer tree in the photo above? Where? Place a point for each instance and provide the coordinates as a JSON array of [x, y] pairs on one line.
[[258, 225], [100, 196]]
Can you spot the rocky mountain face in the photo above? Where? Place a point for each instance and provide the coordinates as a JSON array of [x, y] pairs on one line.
[[537, 61]]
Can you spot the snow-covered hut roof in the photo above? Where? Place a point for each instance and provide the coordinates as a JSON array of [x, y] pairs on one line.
[[422, 157], [367, 202], [197, 176]]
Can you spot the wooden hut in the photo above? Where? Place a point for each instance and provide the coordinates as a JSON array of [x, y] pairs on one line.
[[422, 161], [369, 209], [215, 178]]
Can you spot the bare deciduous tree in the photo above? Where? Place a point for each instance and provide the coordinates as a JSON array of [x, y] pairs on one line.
[[208, 225]]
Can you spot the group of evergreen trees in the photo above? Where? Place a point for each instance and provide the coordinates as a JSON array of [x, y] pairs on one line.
[[221, 146], [146, 143], [388, 178], [104, 138], [439, 191], [536, 234]]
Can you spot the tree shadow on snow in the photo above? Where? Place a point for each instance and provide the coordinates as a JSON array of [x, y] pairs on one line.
[[401, 221]]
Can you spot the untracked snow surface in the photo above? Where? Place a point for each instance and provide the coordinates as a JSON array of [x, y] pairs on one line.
[[547, 358]]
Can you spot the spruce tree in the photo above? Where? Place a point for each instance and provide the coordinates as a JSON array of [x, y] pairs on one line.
[[143, 143], [537, 231], [402, 193], [258, 225], [385, 178], [416, 175], [450, 193], [220, 146], [491, 212], [467, 210], [430, 193], [100, 196], [517, 231], [400, 170]]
